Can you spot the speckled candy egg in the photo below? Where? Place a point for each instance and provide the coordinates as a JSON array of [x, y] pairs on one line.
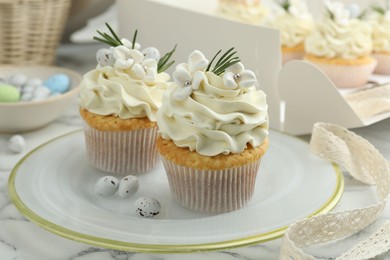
[[128, 186], [9, 93], [58, 83], [147, 207], [106, 186], [105, 57]]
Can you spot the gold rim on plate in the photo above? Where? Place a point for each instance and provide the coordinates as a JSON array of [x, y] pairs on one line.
[[157, 248]]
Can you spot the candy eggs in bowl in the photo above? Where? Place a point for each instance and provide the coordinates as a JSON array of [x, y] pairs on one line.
[[33, 96]]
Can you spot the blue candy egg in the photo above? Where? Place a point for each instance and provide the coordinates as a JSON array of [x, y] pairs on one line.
[[58, 83]]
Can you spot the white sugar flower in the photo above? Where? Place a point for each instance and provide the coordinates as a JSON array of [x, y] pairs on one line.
[[236, 76], [186, 82], [129, 44], [146, 70], [353, 9], [151, 53], [188, 76], [298, 9], [340, 14], [126, 57]]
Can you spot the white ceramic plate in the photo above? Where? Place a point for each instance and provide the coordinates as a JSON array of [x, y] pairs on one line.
[[53, 187]]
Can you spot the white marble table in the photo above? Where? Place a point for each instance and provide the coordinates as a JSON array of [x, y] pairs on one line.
[[21, 239]]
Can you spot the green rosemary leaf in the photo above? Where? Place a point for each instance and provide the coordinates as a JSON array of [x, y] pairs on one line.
[[163, 64], [330, 14], [362, 14], [222, 69], [134, 39], [227, 58], [165, 67], [379, 9], [212, 60], [115, 36], [223, 56], [103, 41], [285, 4], [112, 40]]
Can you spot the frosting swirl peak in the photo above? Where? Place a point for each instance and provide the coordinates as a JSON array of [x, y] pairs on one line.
[[214, 118]]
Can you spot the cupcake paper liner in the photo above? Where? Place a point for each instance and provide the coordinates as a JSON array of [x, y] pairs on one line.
[[212, 191], [383, 66], [292, 55], [121, 152], [344, 76]]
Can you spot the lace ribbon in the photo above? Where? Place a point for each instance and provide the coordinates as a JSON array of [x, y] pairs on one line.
[[364, 162], [370, 102]]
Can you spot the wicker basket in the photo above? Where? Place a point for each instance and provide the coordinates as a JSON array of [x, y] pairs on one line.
[[30, 30]]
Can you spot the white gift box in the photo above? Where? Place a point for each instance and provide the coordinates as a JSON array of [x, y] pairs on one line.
[[298, 94]]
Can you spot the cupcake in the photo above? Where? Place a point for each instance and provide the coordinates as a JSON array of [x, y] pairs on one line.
[[213, 126], [247, 11], [119, 100], [341, 46], [380, 21], [295, 23]]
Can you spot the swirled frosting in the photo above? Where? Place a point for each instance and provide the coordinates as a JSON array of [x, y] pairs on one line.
[[349, 41], [112, 91], [293, 30], [381, 35], [246, 11], [214, 119]]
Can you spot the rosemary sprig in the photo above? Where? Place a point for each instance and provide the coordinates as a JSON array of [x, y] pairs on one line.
[[164, 63], [330, 14], [226, 60], [362, 14], [379, 9], [285, 4], [112, 40], [134, 39]]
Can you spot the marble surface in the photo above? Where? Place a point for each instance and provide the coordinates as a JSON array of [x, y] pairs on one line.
[[21, 239]]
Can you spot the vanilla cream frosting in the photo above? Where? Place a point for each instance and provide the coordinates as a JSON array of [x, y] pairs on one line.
[[293, 30], [214, 119], [381, 35], [113, 91], [248, 11], [294, 24], [330, 39]]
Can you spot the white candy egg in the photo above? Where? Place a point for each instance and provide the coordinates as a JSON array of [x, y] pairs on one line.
[[41, 92], [17, 80], [26, 96], [128, 186], [29, 89], [147, 207], [106, 186], [151, 53], [105, 57], [35, 82], [17, 143]]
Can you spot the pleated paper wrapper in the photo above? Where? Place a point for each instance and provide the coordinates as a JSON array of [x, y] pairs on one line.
[[122, 152], [212, 191]]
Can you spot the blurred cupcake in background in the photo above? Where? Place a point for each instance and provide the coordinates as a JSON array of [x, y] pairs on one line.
[[380, 21], [247, 11], [341, 45], [295, 23]]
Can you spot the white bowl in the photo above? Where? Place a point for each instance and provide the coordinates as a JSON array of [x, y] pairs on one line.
[[30, 115]]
